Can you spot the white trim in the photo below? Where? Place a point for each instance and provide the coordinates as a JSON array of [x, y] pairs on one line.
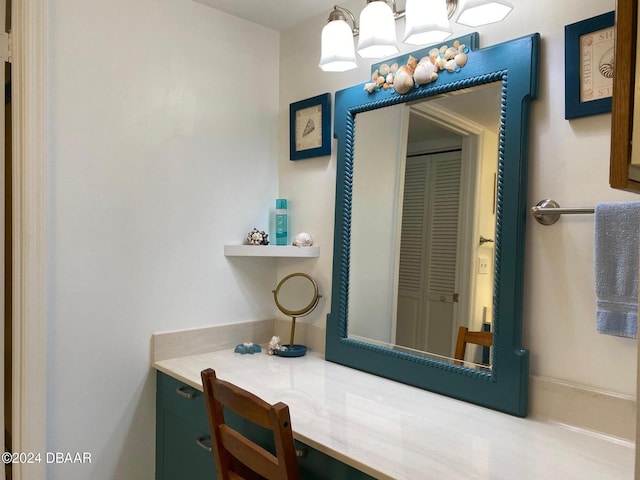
[[30, 27], [446, 119], [3, 235]]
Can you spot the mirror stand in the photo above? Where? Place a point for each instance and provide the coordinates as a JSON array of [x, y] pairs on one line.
[[296, 296]]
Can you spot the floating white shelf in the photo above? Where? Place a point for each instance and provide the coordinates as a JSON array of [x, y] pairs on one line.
[[270, 251]]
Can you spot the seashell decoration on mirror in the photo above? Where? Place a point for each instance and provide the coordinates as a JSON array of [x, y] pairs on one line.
[[416, 73]]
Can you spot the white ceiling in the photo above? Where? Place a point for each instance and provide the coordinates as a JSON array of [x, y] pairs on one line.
[[276, 14]]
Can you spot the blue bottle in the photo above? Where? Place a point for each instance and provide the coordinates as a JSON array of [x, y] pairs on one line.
[[281, 222]]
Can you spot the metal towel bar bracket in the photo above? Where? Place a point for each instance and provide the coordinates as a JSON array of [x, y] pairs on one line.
[[547, 212]]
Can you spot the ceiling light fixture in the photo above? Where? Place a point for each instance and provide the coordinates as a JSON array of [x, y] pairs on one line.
[[427, 22], [378, 30], [474, 13], [338, 53]]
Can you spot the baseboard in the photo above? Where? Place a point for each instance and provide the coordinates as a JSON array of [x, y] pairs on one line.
[[181, 343], [583, 407]]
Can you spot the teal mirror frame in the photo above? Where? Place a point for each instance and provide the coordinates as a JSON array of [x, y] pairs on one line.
[[505, 388]]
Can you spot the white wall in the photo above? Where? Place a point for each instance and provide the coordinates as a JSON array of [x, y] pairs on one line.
[[163, 145], [568, 162]]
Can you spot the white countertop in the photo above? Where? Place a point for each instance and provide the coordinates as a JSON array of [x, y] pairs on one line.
[[394, 431]]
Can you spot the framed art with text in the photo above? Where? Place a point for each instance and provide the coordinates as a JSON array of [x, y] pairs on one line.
[[589, 60], [310, 127]]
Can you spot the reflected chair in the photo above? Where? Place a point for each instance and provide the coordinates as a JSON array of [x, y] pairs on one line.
[[465, 336], [236, 456]]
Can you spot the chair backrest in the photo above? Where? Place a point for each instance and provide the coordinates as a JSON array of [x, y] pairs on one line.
[[465, 336], [236, 456]]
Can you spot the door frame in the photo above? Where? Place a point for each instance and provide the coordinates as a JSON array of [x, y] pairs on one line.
[[472, 135], [29, 103]]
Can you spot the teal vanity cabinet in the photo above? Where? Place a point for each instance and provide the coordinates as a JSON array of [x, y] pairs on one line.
[[182, 432], [183, 443]]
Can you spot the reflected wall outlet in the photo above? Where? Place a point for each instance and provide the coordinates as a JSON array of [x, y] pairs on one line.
[[483, 265]]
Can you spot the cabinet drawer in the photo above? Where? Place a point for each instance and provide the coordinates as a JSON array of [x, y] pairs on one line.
[[183, 400], [181, 450]]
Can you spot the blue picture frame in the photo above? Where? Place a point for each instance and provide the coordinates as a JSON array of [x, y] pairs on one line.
[[316, 113], [575, 106]]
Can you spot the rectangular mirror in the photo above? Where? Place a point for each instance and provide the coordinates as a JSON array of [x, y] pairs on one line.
[[424, 209], [430, 222]]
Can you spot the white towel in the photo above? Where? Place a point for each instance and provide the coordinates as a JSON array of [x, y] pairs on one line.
[[617, 231]]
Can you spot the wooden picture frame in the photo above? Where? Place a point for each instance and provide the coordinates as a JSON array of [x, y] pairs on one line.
[[624, 84], [310, 127], [589, 54]]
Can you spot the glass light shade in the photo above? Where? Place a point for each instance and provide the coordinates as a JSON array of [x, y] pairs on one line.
[[377, 31], [337, 51], [426, 21], [481, 12]]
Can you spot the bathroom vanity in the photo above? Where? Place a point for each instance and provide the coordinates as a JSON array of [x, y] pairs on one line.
[[354, 425], [386, 400]]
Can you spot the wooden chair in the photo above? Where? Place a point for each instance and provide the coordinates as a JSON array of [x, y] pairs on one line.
[[236, 456], [465, 336]]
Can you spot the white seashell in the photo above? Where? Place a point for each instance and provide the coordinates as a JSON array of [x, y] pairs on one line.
[[461, 48], [440, 63], [274, 345], [389, 78], [434, 52], [384, 69], [451, 66], [423, 72], [370, 87], [461, 59], [443, 49], [303, 239], [394, 67], [375, 75], [403, 82], [450, 53]]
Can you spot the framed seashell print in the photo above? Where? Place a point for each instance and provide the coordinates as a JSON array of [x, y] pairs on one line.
[[589, 60], [310, 127]]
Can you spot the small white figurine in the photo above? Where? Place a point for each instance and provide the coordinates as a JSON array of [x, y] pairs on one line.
[[274, 345]]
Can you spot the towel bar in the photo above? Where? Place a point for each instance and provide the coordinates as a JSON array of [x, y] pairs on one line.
[[547, 212]]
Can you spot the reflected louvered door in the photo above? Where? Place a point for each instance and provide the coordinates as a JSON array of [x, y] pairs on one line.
[[428, 252], [412, 254], [442, 247]]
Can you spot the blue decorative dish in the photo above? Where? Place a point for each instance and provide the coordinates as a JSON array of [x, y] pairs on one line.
[[292, 351]]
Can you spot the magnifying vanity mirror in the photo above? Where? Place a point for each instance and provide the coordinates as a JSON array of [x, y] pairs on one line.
[[430, 218], [296, 295]]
